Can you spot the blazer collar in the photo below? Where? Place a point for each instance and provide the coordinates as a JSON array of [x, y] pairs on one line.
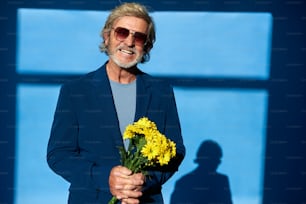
[[100, 78]]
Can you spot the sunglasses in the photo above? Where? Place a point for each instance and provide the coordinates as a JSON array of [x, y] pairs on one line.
[[122, 33]]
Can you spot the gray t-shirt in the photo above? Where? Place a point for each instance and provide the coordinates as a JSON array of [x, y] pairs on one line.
[[124, 96]]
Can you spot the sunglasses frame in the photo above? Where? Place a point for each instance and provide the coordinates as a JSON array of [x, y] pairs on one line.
[[139, 37]]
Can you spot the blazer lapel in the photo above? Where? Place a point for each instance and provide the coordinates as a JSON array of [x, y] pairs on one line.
[[103, 94]]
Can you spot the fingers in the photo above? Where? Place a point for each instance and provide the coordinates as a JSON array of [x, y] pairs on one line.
[[123, 176], [129, 196], [136, 179], [124, 182], [125, 185], [132, 196], [130, 201], [121, 171]]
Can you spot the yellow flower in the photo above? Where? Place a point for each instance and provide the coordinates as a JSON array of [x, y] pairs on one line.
[[164, 158], [129, 132], [172, 148], [158, 148], [145, 123], [148, 147], [150, 151]]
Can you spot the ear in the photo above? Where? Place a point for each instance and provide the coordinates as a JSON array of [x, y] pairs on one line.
[[106, 38]]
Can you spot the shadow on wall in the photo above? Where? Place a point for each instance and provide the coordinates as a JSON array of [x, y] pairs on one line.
[[204, 185]]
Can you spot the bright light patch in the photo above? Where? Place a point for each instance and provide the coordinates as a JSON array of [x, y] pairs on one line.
[[35, 182]]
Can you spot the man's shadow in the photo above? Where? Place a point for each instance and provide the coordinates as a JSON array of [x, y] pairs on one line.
[[204, 185]]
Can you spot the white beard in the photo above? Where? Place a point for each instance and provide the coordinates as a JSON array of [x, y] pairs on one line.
[[125, 65]]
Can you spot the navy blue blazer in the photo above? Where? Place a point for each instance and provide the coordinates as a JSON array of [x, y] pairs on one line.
[[85, 135]]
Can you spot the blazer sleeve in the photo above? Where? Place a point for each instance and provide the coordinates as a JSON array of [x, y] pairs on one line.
[[63, 152]]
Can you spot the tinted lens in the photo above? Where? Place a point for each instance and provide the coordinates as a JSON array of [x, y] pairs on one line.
[[123, 33], [140, 38]]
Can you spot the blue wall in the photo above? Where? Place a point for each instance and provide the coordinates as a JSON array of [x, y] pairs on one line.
[[271, 91]]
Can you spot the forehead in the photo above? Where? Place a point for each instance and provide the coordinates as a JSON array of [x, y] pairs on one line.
[[132, 23]]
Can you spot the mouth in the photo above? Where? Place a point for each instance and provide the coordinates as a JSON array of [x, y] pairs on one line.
[[128, 52]]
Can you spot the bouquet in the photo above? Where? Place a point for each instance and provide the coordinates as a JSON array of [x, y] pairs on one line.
[[147, 147]]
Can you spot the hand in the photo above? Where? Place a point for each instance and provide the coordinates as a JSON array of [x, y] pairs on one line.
[[125, 185]]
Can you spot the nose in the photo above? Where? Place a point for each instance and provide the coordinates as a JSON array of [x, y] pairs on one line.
[[130, 40]]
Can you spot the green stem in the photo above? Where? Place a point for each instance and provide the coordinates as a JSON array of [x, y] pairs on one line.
[[113, 200]]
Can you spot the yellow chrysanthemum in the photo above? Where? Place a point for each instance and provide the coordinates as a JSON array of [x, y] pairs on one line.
[[150, 151], [157, 148], [172, 148], [129, 132], [164, 158], [145, 123], [148, 147]]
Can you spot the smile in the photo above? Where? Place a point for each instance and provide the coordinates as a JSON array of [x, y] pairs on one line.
[[129, 52]]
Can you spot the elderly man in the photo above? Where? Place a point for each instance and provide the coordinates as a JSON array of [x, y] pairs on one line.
[[93, 111]]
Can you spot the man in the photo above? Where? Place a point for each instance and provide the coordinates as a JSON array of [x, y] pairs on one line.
[[93, 111]]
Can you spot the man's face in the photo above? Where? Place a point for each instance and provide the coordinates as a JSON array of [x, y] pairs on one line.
[[126, 41]]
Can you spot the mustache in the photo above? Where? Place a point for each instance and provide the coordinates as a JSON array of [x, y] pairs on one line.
[[130, 49]]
